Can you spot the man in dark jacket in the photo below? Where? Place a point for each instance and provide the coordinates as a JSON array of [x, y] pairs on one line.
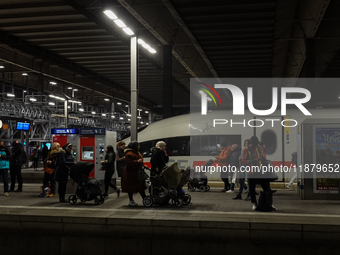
[[159, 158], [17, 162], [5, 158]]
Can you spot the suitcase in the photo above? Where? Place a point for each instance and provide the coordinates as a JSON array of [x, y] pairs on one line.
[[265, 202]]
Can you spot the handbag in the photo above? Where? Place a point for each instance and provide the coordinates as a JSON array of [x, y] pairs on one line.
[[141, 175]]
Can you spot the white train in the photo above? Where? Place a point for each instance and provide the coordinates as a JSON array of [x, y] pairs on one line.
[[193, 139]]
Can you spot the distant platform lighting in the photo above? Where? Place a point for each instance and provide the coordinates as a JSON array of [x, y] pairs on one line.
[[104, 114], [51, 103], [121, 118], [33, 99], [24, 74], [119, 103], [53, 83], [81, 109], [93, 112], [146, 111], [120, 23], [69, 88], [106, 99], [110, 14], [128, 31], [10, 95], [113, 117]]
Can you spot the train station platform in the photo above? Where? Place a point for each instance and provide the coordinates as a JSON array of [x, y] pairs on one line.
[[213, 223]]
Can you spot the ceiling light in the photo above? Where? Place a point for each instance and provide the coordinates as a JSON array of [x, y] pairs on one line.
[[129, 120], [93, 112], [2, 66], [24, 74], [139, 110], [24, 91], [127, 105], [10, 95], [140, 41], [146, 111], [104, 114], [53, 83], [139, 117], [81, 109], [110, 14], [59, 98], [146, 46], [121, 118], [33, 99], [141, 122], [119, 103], [51, 103], [129, 115], [75, 89], [106, 99], [128, 31], [113, 117], [147, 123], [68, 107], [152, 51], [120, 23], [52, 96], [69, 88]]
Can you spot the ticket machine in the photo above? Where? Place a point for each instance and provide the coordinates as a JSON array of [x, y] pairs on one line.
[[67, 135]]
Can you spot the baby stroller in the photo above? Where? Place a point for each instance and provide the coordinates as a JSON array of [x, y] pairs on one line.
[[168, 187], [87, 188], [201, 182]]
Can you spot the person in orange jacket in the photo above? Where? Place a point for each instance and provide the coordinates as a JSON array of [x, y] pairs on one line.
[[223, 160]]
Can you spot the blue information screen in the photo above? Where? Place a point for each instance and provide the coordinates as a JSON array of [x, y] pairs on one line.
[[23, 126], [64, 131]]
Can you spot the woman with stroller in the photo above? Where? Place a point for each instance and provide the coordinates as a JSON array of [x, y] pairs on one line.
[[49, 168], [133, 161], [65, 161], [120, 160], [159, 158], [109, 166]]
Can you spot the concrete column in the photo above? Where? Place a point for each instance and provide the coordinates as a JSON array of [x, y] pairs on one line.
[[134, 87], [167, 81]]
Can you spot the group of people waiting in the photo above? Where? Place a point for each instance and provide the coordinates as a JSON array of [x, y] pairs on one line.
[[253, 154]]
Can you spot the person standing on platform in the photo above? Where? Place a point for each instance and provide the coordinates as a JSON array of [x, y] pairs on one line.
[[120, 160], [49, 168], [65, 161], [252, 157], [18, 159], [234, 162], [35, 156], [44, 152], [109, 167], [242, 175], [223, 160], [5, 158], [133, 161], [159, 158]]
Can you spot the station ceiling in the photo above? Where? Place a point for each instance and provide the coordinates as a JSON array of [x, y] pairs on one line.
[[73, 42]]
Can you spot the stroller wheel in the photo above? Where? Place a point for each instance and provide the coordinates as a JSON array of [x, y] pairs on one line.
[[72, 199], [191, 188], [147, 201], [178, 203], [186, 199], [99, 200], [207, 188], [202, 188]]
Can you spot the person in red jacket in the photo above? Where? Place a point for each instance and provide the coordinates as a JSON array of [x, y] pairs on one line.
[[223, 160]]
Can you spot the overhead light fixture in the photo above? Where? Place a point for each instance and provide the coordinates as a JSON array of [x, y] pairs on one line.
[[104, 114], [119, 23], [24, 91], [51, 103], [68, 107], [140, 41], [106, 99], [141, 122], [56, 97], [33, 99], [146, 111], [139, 117], [2, 65], [74, 101], [139, 110], [24, 74], [93, 112], [119, 103], [129, 120], [10, 95], [128, 114], [52, 96], [53, 83], [147, 123], [146, 46], [75, 89], [127, 105], [121, 118], [69, 88], [110, 14], [81, 109], [113, 117], [128, 31], [152, 51]]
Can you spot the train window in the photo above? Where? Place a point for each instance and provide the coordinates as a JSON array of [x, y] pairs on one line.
[[177, 146], [268, 137], [145, 149], [195, 145]]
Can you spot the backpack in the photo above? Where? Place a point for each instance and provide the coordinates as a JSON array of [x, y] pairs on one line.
[[265, 202]]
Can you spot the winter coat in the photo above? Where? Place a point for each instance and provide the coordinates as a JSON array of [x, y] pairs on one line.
[[250, 153], [130, 183], [17, 154], [234, 158], [158, 159], [224, 158], [6, 156], [53, 156], [120, 161], [109, 162], [65, 161]]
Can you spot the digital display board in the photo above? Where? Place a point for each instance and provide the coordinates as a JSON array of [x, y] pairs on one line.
[[23, 126]]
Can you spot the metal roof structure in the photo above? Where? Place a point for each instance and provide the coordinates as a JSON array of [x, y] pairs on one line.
[[73, 43]]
